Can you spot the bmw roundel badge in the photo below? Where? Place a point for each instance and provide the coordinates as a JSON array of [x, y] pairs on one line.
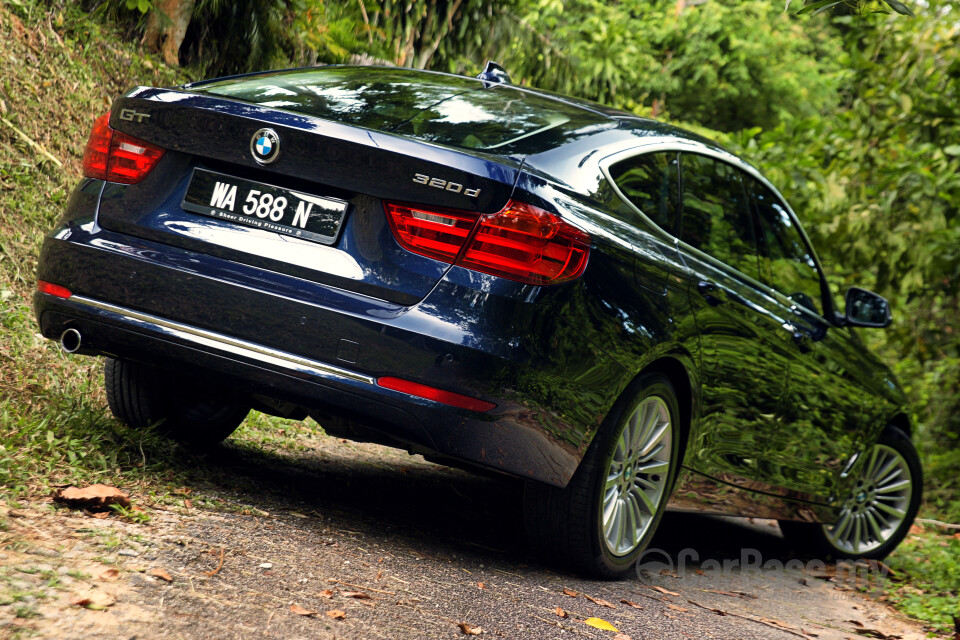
[[265, 146]]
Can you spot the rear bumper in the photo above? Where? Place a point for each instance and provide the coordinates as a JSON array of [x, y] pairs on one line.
[[192, 314]]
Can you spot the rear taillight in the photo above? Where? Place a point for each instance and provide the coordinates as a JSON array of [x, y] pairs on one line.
[[98, 149], [520, 242], [435, 233], [117, 157], [527, 244]]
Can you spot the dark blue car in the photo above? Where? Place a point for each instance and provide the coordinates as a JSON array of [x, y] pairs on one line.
[[618, 311]]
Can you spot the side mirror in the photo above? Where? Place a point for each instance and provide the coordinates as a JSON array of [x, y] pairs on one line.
[[867, 309]]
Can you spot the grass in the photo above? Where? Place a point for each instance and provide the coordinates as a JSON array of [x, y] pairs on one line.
[[928, 563]]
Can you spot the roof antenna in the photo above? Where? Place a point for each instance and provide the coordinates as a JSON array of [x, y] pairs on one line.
[[493, 73]]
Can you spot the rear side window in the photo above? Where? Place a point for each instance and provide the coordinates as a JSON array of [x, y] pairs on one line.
[[785, 258], [716, 215], [650, 183]]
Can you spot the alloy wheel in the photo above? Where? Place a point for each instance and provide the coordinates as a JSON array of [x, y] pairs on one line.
[[636, 478], [877, 506]]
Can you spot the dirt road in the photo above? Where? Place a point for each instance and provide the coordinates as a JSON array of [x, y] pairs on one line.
[[402, 549]]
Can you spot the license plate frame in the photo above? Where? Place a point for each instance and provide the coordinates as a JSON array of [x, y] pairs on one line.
[[241, 201]]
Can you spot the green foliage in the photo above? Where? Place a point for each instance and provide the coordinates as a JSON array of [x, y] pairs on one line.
[[724, 64], [931, 563]]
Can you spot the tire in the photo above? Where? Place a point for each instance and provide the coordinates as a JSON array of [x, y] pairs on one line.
[[567, 526], [183, 409], [876, 485]]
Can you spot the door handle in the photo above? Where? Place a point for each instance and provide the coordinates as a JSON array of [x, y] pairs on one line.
[[712, 293]]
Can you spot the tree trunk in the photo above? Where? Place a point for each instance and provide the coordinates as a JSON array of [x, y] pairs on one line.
[[166, 28]]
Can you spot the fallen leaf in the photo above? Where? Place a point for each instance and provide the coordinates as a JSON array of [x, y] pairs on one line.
[[600, 623], [856, 623], [699, 572], [94, 600], [300, 611], [100, 515], [630, 604], [570, 592], [95, 497], [676, 608], [807, 632], [110, 574], [665, 591], [379, 573], [188, 504], [668, 573], [622, 636], [326, 593], [560, 612], [469, 630], [880, 635], [599, 601], [359, 595], [157, 572], [336, 614], [480, 585], [916, 528]]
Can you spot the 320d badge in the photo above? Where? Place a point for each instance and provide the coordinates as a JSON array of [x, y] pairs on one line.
[[622, 314]]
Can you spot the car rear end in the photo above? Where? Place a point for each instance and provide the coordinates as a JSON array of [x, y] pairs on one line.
[[349, 241]]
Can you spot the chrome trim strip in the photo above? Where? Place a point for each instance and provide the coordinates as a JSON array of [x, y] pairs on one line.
[[223, 342]]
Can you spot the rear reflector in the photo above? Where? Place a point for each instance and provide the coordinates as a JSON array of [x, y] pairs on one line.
[[53, 289], [435, 233], [437, 395], [520, 242], [117, 157]]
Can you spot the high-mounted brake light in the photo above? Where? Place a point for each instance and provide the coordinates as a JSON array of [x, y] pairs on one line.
[[520, 242], [117, 157], [437, 395], [53, 289]]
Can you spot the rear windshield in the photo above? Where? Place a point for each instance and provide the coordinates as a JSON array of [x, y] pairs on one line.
[[447, 110]]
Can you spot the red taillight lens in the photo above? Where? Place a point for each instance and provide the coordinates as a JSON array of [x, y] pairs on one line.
[[527, 244], [437, 395], [118, 157], [435, 233], [98, 149], [520, 242], [131, 159], [53, 289]]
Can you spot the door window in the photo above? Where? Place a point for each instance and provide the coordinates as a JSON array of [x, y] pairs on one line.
[[786, 260], [716, 216], [649, 182]]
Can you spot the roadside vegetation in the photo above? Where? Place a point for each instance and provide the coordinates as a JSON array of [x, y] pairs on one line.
[[852, 113]]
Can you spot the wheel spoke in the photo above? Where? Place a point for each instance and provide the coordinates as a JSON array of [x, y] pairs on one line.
[[857, 533], [873, 526], [646, 500], [903, 484], [654, 439], [654, 466], [893, 511]]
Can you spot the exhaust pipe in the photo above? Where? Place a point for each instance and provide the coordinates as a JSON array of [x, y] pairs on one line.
[[70, 341]]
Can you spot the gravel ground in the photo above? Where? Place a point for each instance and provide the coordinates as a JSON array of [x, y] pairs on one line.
[[402, 548]]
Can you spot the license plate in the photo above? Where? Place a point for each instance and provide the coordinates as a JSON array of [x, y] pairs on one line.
[[265, 206]]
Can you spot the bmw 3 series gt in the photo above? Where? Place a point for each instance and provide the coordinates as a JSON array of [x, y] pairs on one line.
[[619, 312]]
